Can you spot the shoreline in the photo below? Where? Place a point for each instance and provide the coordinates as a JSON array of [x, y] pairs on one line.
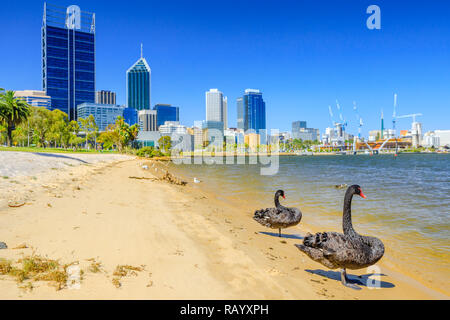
[[400, 270], [193, 244]]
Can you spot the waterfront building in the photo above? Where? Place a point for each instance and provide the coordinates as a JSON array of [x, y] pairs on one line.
[[388, 134], [105, 97], [251, 110], [374, 135], [444, 137], [35, 98], [148, 138], [404, 133], [234, 135], [253, 140], [255, 108], [166, 112], [431, 140], [139, 84], [416, 133], [147, 120], [68, 57], [297, 125], [171, 127], [336, 136], [130, 116], [300, 131], [216, 107], [200, 135], [104, 114]]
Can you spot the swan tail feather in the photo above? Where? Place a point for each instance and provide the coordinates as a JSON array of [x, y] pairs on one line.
[[315, 240]]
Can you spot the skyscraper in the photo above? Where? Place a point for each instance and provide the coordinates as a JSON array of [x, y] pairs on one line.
[[138, 84], [225, 112], [166, 112], [251, 111], [240, 113], [297, 125], [214, 106], [105, 97], [68, 57], [147, 120]]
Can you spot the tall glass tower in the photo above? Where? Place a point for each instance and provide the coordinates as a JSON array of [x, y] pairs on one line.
[[68, 57], [251, 111], [138, 84]]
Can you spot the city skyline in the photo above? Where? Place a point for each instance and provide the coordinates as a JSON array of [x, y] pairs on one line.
[[300, 78]]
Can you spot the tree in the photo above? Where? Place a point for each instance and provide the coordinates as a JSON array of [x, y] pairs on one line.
[[89, 127], [165, 143], [59, 127], [13, 111], [40, 124], [110, 137], [119, 134]]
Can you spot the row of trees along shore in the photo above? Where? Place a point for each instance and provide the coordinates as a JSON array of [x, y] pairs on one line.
[[25, 125]]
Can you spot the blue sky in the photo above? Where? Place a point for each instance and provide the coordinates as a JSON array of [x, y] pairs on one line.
[[303, 55]]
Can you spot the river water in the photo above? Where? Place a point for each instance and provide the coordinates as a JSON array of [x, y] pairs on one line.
[[407, 205]]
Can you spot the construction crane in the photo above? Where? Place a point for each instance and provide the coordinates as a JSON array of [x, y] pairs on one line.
[[331, 116], [343, 122], [394, 115], [360, 121], [414, 115]]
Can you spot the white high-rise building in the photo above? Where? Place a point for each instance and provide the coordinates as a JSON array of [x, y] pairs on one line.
[[444, 137], [214, 105], [225, 113]]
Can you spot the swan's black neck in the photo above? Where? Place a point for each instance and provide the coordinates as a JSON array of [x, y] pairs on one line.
[[277, 201], [347, 216]]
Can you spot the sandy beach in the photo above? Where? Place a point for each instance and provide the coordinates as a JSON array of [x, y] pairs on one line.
[[182, 241]]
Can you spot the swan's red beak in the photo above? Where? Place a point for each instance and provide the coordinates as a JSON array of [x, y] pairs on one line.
[[284, 197], [362, 194]]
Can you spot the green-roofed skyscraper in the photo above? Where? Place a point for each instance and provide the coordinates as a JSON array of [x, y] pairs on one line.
[[138, 85]]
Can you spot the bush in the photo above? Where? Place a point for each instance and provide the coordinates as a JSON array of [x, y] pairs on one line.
[[149, 152]]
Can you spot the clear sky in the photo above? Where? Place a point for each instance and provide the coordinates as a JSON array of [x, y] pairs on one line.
[[303, 55]]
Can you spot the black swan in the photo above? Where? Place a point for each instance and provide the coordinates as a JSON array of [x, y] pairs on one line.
[[278, 217], [347, 251]]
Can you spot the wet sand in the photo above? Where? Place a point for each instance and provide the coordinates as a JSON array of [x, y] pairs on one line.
[[191, 244]]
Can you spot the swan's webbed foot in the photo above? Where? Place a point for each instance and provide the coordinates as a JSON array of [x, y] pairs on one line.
[[346, 282]]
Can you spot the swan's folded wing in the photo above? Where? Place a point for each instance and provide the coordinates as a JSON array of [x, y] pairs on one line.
[[267, 217]]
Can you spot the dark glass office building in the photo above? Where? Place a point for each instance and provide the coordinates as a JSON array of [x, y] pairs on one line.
[[68, 57], [130, 116], [251, 111], [166, 112], [297, 125]]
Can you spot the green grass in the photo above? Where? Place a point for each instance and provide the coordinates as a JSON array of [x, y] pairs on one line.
[[54, 150]]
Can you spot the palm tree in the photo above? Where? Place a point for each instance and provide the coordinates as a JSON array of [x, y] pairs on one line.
[[13, 111]]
